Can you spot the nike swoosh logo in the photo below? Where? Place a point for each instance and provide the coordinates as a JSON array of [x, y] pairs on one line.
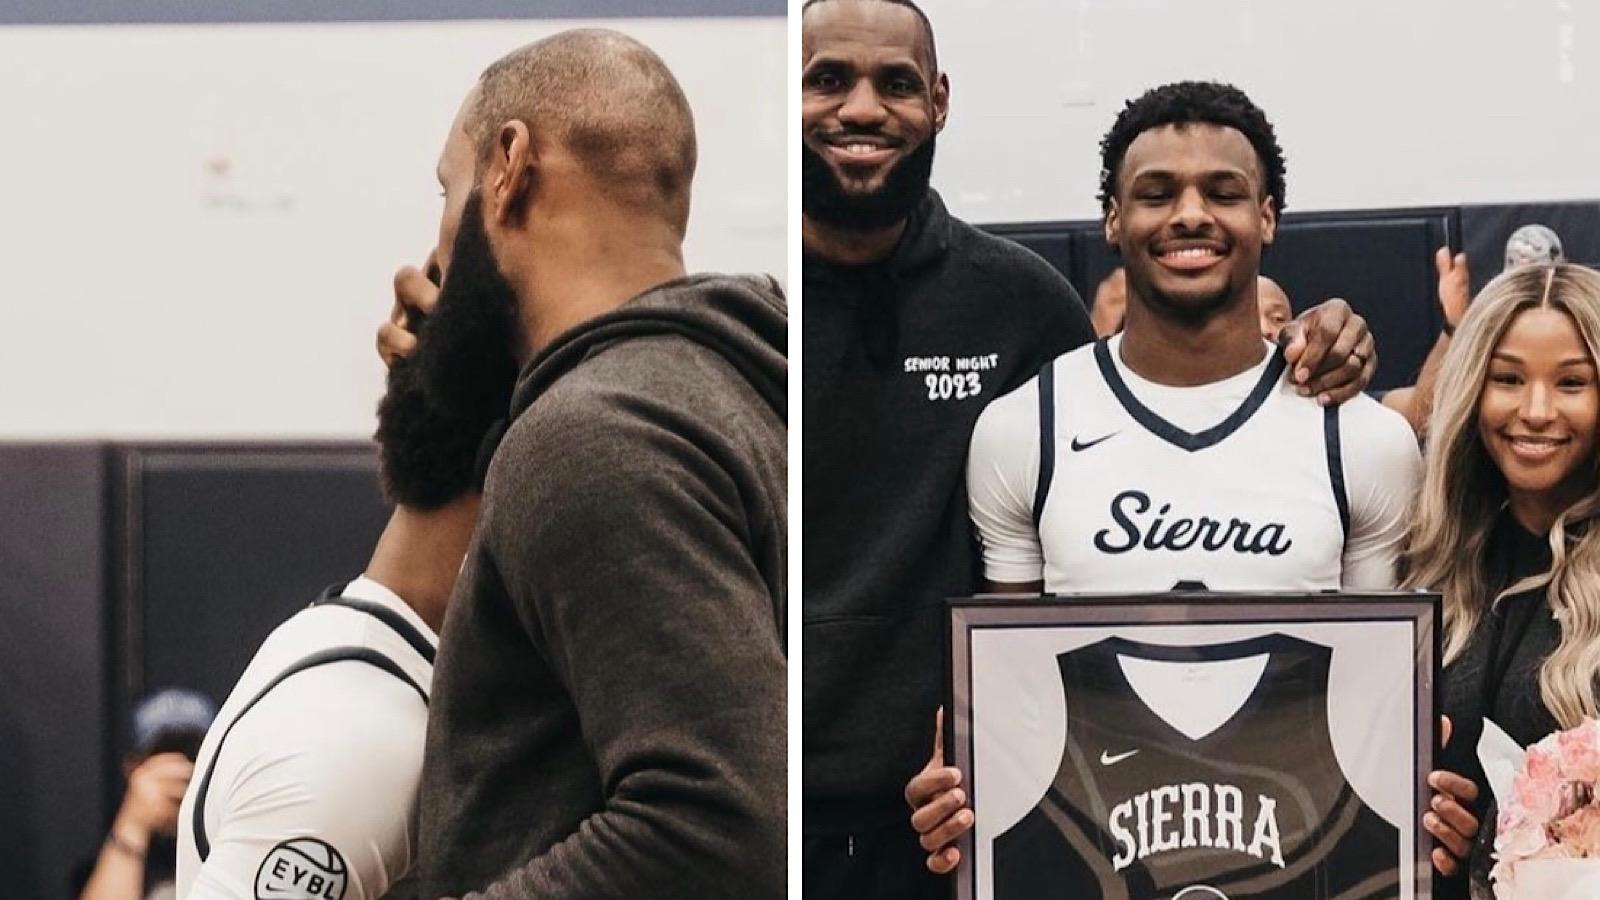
[[1084, 445], [1107, 759]]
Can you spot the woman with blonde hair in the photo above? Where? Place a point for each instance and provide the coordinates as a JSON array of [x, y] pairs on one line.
[[1502, 529]]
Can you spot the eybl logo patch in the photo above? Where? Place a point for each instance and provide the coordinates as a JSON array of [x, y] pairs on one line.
[[302, 869]]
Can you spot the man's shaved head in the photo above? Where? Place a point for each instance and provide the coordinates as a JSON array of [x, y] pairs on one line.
[[928, 47], [609, 100]]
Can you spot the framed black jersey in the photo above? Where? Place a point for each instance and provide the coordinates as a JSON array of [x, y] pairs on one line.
[[1194, 746]]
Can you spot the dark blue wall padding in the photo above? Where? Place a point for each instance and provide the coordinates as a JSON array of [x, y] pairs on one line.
[[129, 567], [1383, 265], [224, 543], [1485, 229], [54, 671]]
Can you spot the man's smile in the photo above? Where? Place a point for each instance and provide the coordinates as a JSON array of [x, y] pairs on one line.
[[1189, 256], [859, 150]]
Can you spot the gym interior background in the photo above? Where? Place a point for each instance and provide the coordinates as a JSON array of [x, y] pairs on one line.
[[205, 206]]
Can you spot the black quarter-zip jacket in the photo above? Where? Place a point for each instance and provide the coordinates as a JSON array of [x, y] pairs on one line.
[[899, 357]]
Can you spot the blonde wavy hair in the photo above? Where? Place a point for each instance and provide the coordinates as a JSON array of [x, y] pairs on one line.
[[1463, 492]]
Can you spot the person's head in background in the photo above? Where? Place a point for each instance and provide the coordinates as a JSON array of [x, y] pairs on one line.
[[1192, 181], [1533, 245], [566, 176], [1110, 303], [1514, 427], [172, 720], [167, 728], [872, 104], [1274, 307]]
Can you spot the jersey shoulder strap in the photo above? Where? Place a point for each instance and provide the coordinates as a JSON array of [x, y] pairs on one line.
[[333, 596]]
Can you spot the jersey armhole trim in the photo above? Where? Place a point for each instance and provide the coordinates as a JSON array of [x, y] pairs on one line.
[[320, 658], [1330, 436], [1047, 440]]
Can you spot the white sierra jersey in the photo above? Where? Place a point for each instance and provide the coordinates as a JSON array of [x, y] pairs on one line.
[[1241, 484], [305, 787]]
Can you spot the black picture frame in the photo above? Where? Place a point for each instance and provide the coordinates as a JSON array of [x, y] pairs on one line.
[[1203, 616]]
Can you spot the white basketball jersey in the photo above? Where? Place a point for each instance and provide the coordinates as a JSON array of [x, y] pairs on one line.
[[1252, 498]]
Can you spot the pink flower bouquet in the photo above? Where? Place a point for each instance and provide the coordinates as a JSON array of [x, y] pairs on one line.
[[1547, 839]]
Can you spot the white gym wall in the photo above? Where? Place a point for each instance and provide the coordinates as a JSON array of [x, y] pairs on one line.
[[201, 220], [1377, 103]]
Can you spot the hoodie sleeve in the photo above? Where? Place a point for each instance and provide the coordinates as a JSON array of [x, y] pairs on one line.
[[631, 565]]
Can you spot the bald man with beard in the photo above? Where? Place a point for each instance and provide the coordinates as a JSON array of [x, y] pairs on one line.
[[608, 715]]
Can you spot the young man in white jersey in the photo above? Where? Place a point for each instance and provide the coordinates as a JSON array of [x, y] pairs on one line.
[[1176, 454], [305, 787]]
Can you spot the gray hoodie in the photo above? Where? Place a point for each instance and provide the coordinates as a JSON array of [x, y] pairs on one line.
[[608, 703]]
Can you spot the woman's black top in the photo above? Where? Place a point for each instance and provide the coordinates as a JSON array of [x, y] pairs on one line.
[[1497, 675]]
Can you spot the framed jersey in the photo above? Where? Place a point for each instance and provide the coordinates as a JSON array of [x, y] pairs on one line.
[[1199, 746]]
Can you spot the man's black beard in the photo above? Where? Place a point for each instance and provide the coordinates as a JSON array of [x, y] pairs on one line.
[[442, 400], [824, 200]]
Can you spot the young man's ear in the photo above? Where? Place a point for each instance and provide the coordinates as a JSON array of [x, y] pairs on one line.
[[513, 172], [1113, 224], [1269, 220]]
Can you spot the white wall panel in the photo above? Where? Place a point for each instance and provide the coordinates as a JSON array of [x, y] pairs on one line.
[[200, 222], [1378, 103]]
